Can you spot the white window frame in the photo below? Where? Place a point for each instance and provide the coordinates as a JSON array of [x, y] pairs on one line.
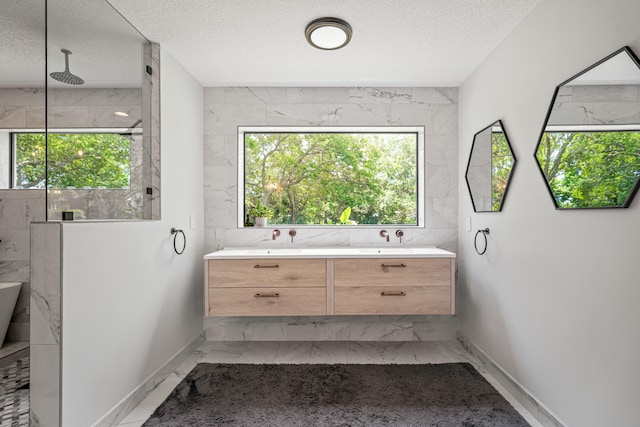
[[418, 130], [10, 135]]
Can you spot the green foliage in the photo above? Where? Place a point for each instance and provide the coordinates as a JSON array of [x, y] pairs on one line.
[[590, 169], [259, 210], [344, 216], [73, 160], [314, 178], [501, 164]]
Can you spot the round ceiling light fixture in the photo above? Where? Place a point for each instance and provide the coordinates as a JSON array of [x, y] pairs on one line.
[[328, 33]]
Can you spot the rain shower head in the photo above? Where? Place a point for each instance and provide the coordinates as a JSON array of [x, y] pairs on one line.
[[65, 76]]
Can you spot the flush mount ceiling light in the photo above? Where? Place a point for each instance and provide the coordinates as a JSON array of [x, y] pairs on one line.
[[328, 33]]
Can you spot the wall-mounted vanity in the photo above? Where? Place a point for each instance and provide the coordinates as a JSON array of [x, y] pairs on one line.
[[329, 281]]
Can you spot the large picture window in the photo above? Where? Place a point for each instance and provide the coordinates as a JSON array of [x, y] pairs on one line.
[[75, 160], [332, 176]]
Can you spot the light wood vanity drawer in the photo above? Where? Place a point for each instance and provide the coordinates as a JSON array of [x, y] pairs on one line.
[[393, 272], [267, 301], [267, 273], [390, 300]]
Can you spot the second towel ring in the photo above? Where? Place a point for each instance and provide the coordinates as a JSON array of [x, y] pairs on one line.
[[175, 232], [484, 232]]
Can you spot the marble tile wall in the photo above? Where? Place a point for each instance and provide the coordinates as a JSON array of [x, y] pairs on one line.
[[46, 304], [332, 328], [94, 108], [18, 208], [227, 108], [25, 108]]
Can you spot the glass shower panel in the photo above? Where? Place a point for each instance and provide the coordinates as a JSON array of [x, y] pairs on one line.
[[99, 151], [22, 90]]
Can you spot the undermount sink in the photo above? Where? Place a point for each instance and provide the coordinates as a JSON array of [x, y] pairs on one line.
[[271, 251], [387, 250]]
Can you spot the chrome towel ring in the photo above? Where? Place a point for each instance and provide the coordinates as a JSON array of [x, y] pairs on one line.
[[175, 232], [484, 232]]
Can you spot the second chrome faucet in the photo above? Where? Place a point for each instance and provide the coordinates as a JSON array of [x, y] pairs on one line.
[[385, 234], [276, 233]]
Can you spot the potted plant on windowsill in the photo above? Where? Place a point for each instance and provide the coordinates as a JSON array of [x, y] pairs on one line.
[[261, 214]]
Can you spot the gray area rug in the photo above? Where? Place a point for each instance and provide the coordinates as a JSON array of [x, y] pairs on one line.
[[451, 394]]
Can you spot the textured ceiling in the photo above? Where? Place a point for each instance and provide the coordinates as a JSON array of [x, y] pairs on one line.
[[395, 42], [106, 48]]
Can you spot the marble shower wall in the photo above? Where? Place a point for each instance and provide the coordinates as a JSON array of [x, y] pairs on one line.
[[18, 208], [46, 323], [25, 108], [227, 108]]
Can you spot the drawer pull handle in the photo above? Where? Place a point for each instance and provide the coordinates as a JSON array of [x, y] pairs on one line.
[[266, 266], [393, 265], [393, 294], [273, 295]]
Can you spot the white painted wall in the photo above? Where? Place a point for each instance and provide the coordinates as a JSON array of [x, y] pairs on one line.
[[555, 299], [129, 303]]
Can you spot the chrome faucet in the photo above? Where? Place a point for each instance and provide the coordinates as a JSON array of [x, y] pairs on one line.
[[275, 234], [292, 233], [399, 234], [383, 233]]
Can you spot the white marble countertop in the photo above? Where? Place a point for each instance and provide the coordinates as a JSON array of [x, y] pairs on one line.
[[331, 252]]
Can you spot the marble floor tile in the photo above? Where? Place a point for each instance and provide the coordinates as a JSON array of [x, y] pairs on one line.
[[224, 352], [431, 352], [304, 352], [145, 409], [386, 352], [260, 352]]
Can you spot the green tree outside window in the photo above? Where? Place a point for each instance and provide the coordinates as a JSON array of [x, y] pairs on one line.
[[314, 178], [73, 160], [590, 169]]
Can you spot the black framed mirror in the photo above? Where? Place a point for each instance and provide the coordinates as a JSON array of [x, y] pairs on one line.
[[589, 148], [490, 167]]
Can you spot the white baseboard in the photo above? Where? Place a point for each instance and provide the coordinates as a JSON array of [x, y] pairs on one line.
[[133, 399], [531, 404]]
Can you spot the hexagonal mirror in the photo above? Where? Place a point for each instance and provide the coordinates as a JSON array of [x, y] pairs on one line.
[[490, 167], [589, 147]]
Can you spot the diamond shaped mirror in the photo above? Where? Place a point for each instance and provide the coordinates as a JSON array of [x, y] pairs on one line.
[[490, 167], [589, 147]]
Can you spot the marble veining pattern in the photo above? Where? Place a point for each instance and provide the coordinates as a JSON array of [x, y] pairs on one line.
[[304, 352], [175, 366], [606, 104], [89, 108], [45, 320], [227, 108], [18, 208], [332, 328]]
